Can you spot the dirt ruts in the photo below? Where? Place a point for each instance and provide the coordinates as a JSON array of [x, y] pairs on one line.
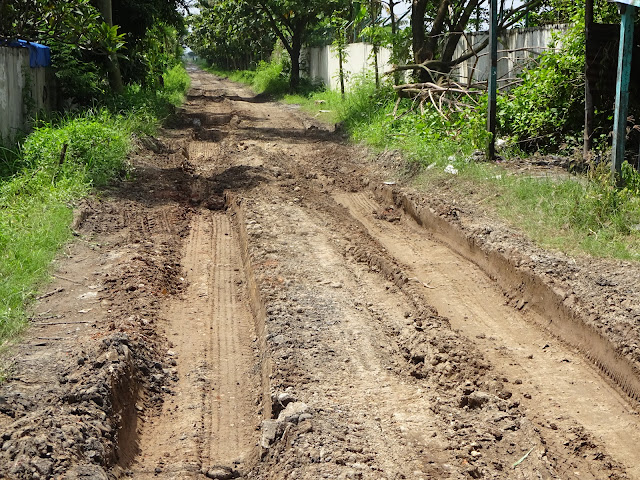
[[258, 304]]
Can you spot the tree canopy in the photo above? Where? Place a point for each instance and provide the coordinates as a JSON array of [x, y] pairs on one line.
[[220, 30], [91, 37], [227, 34]]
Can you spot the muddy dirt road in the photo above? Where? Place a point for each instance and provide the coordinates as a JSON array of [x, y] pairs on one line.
[[257, 304]]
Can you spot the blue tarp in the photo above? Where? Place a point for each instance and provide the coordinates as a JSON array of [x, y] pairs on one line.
[[39, 55]]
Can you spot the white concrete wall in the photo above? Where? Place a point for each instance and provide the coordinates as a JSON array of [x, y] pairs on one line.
[[515, 48], [15, 76], [322, 64]]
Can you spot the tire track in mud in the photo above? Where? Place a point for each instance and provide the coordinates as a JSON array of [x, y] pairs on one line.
[[525, 289], [559, 384], [209, 422], [344, 340]]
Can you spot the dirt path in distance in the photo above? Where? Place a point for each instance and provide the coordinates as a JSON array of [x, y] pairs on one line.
[[253, 305]]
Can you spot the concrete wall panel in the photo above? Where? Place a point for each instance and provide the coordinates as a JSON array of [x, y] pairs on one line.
[[18, 81]]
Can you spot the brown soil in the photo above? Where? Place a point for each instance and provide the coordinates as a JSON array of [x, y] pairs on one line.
[[258, 304]]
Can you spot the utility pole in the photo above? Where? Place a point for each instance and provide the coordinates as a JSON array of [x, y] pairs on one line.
[[493, 77]]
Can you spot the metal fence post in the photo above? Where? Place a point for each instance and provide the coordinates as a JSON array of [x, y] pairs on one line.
[[622, 86], [493, 77]]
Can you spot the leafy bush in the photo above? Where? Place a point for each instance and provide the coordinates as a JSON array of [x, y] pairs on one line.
[[270, 78], [94, 145], [548, 106], [144, 107], [79, 80], [176, 83]]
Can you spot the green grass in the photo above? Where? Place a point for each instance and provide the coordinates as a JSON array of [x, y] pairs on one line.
[[53, 167], [367, 115], [575, 215], [268, 77]]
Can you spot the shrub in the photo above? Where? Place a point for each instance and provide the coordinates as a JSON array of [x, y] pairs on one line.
[[270, 78], [94, 145], [548, 106]]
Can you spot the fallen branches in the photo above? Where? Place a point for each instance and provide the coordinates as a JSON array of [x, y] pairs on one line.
[[446, 92]]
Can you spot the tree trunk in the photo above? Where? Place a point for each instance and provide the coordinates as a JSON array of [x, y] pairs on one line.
[[115, 76], [425, 45], [456, 32], [104, 6], [374, 20], [341, 70], [418, 32], [113, 67], [394, 30], [296, 47]]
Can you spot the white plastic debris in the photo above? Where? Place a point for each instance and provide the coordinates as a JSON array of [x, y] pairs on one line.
[[451, 169]]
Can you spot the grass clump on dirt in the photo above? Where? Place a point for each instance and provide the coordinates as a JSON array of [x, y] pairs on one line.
[[53, 167]]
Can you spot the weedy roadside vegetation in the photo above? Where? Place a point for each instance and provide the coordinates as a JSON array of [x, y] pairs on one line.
[[577, 214], [64, 158]]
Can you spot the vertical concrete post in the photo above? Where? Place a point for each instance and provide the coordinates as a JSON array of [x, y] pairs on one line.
[[622, 86], [588, 88]]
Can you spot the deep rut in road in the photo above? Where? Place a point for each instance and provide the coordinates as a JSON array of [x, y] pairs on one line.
[[353, 374], [508, 337], [209, 422]]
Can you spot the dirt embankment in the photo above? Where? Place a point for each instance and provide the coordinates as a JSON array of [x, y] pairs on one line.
[[258, 304]]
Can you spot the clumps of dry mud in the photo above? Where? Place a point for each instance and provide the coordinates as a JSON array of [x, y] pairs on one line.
[[481, 430], [71, 405], [85, 423]]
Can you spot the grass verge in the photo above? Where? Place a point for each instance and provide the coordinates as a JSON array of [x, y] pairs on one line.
[[54, 166]]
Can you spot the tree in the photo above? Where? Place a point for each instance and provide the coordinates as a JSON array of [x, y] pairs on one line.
[[551, 12], [72, 21], [438, 25], [74, 31], [292, 20], [340, 26], [230, 35], [112, 43]]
